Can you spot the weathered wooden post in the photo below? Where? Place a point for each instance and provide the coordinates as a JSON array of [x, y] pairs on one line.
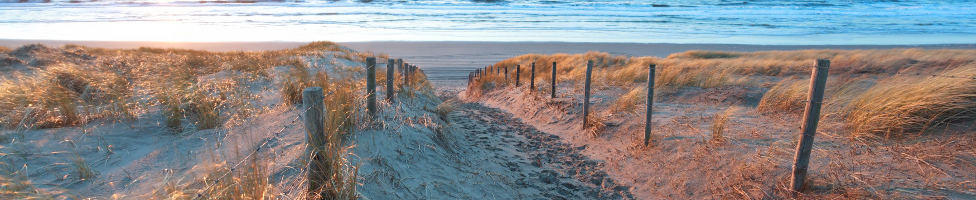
[[389, 80], [586, 93], [811, 116], [532, 79], [400, 65], [371, 86], [312, 109], [650, 104], [518, 70], [553, 80], [506, 73], [406, 74]]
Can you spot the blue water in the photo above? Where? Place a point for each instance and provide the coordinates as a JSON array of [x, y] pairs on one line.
[[690, 21]]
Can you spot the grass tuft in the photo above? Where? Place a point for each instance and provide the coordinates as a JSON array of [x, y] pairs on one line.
[[719, 123], [788, 95], [83, 169], [446, 108], [628, 102], [704, 55], [912, 104], [595, 125], [220, 181]]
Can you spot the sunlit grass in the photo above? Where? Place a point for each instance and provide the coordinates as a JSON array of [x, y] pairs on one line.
[[853, 72], [192, 90], [914, 105]]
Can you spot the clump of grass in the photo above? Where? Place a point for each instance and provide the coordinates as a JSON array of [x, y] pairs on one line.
[[14, 184], [907, 104], [248, 182], [694, 54], [595, 125], [220, 181], [340, 177], [788, 95], [205, 109], [62, 95], [628, 102], [445, 108], [172, 111], [298, 78], [343, 104], [82, 168], [719, 122], [201, 101]]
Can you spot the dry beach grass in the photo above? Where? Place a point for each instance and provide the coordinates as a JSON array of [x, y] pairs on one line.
[[193, 91], [725, 123]]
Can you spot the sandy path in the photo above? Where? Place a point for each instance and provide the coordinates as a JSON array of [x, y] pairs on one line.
[[540, 165]]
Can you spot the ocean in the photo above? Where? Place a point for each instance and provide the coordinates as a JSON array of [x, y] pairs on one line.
[[772, 22]]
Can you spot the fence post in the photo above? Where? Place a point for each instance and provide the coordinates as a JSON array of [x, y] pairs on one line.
[[400, 65], [586, 93], [811, 116], [518, 70], [532, 78], [371, 86], [553, 80], [406, 74], [389, 80], [506, 73], [312, 108], [650, 104]]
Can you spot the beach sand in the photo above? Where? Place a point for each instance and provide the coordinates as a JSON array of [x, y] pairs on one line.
[[504, 147]]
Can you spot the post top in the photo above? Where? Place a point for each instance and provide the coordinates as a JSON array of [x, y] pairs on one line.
[[823, 63], [312, 89]]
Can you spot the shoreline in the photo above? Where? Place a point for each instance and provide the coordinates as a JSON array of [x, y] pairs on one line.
[[627, 48]]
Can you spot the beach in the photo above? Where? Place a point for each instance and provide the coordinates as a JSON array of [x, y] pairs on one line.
[[575, 99], [237, 106]]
